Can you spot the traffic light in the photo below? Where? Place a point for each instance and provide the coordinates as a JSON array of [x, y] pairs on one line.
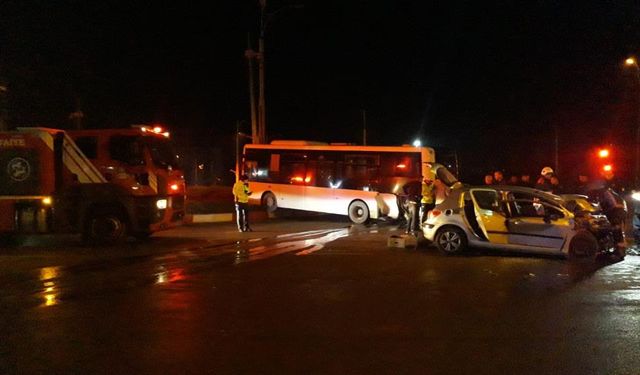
[[603, 153], [607, 168]]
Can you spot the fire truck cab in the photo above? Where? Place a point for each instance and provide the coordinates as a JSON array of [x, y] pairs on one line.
[[105, 184]]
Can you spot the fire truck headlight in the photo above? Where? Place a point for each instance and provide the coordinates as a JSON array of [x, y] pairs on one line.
[[161, 204], [635, 195], [46, 201]]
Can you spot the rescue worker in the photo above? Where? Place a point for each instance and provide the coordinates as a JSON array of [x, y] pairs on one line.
[[428, 201], [556, 188], [241, 195], [544, 181], [413, 193]]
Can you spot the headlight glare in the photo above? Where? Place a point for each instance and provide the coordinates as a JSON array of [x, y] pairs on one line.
[[161, 204]]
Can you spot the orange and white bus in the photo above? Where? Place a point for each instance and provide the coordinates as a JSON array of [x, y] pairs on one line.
[[362, 182]]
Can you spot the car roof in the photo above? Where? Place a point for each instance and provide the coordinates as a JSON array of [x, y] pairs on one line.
[[521, 189]]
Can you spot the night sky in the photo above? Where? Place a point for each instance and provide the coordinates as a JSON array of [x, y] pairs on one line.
[[492, 80]]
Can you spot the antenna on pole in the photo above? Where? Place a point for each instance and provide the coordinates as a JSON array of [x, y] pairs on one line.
[[364, 127]]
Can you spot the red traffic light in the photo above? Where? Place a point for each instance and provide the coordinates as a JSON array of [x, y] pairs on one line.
[[603, 153]]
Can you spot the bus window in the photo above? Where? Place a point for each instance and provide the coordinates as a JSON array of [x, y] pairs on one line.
[[293, 169], [258, 167], [400, 165]]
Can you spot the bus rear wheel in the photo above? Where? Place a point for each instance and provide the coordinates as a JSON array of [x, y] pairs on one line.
[[358, 212]]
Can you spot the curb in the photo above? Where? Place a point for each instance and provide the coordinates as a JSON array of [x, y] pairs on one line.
[[221, 217]]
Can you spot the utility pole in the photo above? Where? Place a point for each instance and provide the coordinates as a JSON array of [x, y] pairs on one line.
[[364, 127], [250, 54], [262, 116]]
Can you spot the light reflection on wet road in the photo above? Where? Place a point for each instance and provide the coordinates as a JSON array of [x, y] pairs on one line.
[[323, 301]]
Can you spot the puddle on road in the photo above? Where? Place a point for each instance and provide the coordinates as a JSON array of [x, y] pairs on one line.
[[49, 292], [302, 246]]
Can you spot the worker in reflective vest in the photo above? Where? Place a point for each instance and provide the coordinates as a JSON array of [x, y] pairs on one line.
[[428, 201], [241, 195]]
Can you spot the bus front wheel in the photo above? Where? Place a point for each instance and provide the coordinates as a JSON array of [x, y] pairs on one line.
[[358, 212], [269, 202]]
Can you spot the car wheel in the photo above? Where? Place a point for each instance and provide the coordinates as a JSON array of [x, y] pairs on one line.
[[358, 212], [270, 202], [451, 240], [584, 246], [104, 228]]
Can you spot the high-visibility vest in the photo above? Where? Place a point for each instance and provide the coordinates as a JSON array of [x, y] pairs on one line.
[[428, 195], [241, 192]]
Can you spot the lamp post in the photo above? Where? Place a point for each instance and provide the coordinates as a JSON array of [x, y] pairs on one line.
[[632, 62]]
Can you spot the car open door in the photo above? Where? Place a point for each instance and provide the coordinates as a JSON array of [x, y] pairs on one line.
[[536, 222], [489, 214]]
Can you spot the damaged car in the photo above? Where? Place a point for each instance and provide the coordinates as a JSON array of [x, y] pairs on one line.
[[519, 218]]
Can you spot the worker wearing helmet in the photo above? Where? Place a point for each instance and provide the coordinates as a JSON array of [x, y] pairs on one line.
[[544, 181]]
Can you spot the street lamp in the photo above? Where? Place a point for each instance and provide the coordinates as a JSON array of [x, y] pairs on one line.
[[632, 62]]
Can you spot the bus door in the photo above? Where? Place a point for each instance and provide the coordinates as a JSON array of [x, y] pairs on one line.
[[489, 215], [293, 181]]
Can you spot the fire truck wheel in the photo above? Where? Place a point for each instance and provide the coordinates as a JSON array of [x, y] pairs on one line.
[[105, 228]]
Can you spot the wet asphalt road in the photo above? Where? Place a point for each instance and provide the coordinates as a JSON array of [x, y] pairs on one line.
[[333, 300]]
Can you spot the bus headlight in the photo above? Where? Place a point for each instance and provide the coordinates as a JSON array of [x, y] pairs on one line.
[[635, 196], [161, 204]]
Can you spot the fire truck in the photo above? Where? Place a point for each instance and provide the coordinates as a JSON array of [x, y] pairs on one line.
[[104, 184]]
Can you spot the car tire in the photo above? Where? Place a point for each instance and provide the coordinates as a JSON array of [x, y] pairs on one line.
[[270, 202], [105, 228], [451, 240], [358, 212], [584, 247]]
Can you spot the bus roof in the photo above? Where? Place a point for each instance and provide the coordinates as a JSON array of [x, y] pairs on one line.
[[328, 147]]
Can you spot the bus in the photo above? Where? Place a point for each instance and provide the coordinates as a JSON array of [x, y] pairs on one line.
[[362, 182]]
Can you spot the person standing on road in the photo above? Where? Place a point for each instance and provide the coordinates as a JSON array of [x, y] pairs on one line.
[[241, 195], [413, 193], [428, 201]]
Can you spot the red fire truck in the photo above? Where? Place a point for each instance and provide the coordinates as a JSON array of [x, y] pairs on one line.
[[105, 184]]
